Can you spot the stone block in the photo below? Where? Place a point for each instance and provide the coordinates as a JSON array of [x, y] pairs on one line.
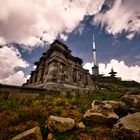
[[31, 134]]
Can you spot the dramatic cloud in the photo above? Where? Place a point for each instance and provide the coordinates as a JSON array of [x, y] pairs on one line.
[[124, 16], [123, 71], [24, 20], [80, 29], [88, 66], [2, 41], [10, 61], [17, 78]]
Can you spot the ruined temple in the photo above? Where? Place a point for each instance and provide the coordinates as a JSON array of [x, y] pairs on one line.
[[59, 69]]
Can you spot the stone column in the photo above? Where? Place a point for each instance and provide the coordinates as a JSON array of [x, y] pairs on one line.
[[42, 75]]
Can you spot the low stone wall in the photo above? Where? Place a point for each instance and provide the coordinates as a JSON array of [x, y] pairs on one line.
[[103, 79], [51, 89], [10, 90]]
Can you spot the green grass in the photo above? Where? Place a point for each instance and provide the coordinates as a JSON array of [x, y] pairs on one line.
[[58, 111], [65, 135], [128, 84], [16, 112]]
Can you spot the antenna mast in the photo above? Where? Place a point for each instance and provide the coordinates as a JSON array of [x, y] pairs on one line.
[[94, 52], [95, 70]]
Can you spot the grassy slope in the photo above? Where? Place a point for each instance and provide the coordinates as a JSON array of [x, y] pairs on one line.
[[128, 84], [18, 114]]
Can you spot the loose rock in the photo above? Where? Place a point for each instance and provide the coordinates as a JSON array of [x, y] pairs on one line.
[[59, 123], [132, 101], [101, 113], [81, 125], [34, 133], [128, 127], [50, 136], [115, 104]]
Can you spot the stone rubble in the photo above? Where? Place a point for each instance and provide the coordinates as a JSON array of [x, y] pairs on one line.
[[101, 113], [115, 104], [59, 123], [133, 101], [34, 133], [128, 127]]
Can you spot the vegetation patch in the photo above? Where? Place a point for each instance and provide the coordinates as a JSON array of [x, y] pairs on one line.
[[18, 113]]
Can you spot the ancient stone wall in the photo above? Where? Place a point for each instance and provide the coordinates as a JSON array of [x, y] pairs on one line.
[[58, 66]]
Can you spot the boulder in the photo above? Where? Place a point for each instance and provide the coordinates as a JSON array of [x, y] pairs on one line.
[[34, 133], [133, 110], [115, 104], [101, 113], [132, 101], [128, 127], [59, 123], [109, 118], [100, 104]]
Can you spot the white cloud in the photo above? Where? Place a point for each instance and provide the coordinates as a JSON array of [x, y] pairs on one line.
[[34, 67], [123, 71], [80, 29], [17, 78], [88, 66], [10, 61], [63, 36], [32, 41], [2, 41], [130, 36], [123, 16], [20, 20]]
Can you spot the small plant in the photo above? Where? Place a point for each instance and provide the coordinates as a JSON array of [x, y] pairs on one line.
[[89, 123], [66, 135], [122, 110], [114, 138], [57, 111], [60, 103], [74, 101], [44, 130], [49, 103]]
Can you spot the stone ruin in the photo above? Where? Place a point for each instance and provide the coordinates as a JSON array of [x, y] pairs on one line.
[[58, 69]]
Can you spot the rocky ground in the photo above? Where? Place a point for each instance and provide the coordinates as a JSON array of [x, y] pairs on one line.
[[101, 115]]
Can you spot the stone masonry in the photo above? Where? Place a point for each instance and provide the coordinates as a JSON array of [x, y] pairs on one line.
[[58, 68]]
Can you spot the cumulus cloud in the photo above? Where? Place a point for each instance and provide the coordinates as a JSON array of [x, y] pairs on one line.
[[123, 16], [10, 61], [63, 37], [2, 41], [17, 78], [88, 66], [80, 29], [23, 20], [123, 71], [130, 36]]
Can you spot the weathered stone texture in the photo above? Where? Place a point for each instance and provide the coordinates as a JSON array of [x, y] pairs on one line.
[[59, 123], [128, 127], [132, 100], [101, 113], [58, 66], [34, 134]]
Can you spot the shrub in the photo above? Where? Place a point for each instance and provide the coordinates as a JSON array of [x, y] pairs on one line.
[[60, 103], [122, 110], [49, 103], [74, 101], [57, 111], [44, 130]]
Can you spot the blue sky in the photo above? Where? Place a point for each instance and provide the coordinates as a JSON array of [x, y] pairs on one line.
[[26, 34]]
